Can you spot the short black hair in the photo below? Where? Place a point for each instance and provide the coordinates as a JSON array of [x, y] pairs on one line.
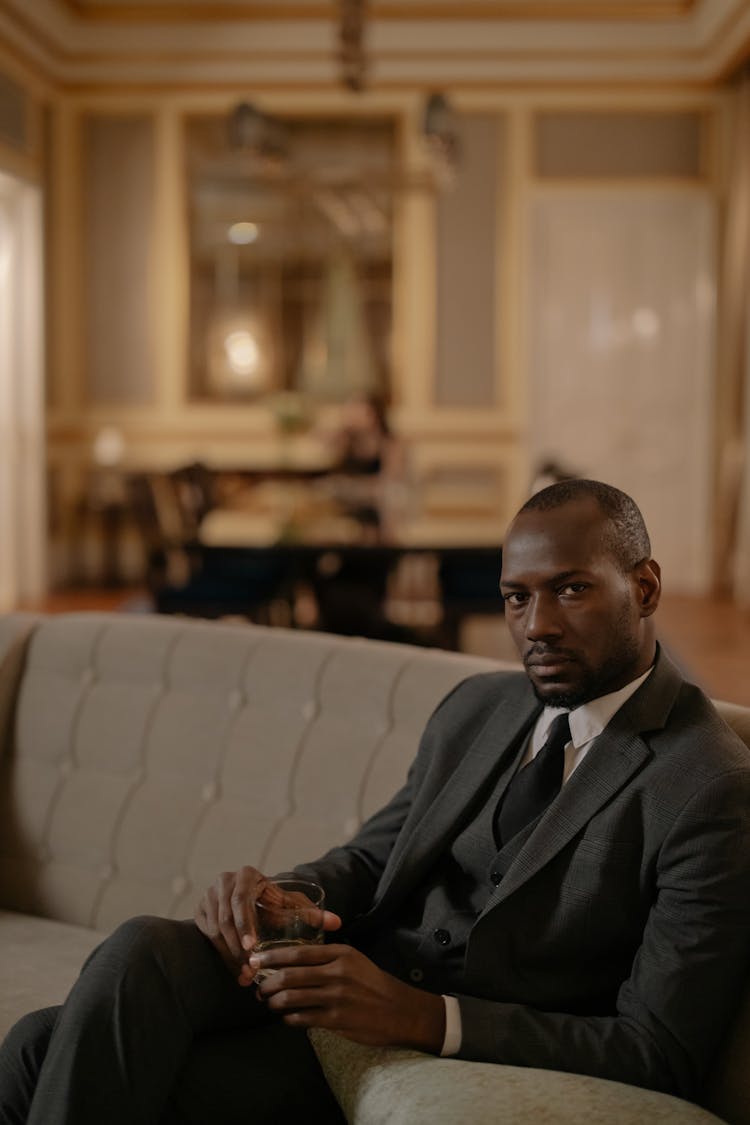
[[626, 537]]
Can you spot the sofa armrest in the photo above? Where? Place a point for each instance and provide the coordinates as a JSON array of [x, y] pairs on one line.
[[378, 1085], [729, 1087]]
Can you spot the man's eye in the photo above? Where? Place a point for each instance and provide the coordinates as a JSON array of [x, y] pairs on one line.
[[514, 598], [572, 588]]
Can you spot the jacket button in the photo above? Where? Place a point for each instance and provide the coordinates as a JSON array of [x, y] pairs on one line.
[[416, 975], [442, 937], [496, 877]]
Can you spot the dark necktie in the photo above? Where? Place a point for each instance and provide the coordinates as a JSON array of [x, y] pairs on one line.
[[536, 785]]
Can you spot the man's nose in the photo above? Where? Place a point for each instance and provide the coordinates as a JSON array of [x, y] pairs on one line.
[[542, 618]]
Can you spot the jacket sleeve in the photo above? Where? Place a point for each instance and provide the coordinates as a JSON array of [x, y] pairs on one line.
[[350, 873], [686, 979]]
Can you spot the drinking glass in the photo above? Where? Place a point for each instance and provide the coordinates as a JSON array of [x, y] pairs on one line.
[[289, 912]]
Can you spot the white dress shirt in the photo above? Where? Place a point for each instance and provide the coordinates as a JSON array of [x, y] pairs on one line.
[[586, 722]]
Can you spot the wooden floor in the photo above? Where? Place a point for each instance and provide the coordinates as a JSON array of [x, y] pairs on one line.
[[709, 639]]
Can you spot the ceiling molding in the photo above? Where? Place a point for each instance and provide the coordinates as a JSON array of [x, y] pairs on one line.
[[202, 11], [163, 44], [148, 11]]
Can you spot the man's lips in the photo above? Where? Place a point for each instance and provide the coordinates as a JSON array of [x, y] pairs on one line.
[[548, 664]]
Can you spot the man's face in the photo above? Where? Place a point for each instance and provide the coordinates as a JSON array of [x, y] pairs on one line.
[[578, 622]]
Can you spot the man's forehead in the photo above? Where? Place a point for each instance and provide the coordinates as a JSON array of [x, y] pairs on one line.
[[559, 540], [559, 524]]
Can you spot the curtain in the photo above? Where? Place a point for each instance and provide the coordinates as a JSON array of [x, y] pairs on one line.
[[22, 463], [732, 546]]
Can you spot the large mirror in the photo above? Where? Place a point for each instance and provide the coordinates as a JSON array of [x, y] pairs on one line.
[[291, 230]]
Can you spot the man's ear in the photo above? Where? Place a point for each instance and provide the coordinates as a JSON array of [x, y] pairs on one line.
[[648, 578]]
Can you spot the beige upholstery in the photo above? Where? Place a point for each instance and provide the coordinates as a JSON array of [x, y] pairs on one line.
[[396, 1087], [144, 755], [141, 756]]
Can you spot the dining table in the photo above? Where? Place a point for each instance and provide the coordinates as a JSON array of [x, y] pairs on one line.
[[416, 582]]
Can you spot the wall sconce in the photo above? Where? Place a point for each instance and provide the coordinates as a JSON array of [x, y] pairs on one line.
[[440, 130], [257, 133], [266, 138]]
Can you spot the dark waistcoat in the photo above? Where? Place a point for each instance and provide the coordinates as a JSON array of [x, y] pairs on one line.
[[424, 941]]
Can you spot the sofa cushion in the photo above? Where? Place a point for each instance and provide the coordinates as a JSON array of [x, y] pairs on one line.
[[40, 962], [385, 1086]]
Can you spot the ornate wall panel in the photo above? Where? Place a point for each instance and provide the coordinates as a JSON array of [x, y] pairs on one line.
[[121, 313], [621, 309], [467, 264]]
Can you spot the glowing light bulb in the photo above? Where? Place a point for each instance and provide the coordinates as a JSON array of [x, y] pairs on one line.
[[243, 354], [242, 234]]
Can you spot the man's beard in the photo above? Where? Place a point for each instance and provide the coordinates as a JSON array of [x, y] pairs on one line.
[[598, 681]]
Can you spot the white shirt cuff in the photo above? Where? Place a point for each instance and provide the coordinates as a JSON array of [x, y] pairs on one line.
[[453, 1029]]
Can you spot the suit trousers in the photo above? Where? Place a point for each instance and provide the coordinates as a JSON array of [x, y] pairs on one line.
[[156, 1032]]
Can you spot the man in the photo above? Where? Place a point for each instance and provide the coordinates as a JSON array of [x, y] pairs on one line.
[[579, 902]]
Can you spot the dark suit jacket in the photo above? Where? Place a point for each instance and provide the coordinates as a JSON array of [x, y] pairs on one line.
[[618, 941]]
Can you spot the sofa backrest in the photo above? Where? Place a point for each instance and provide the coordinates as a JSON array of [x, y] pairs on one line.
[[146, 754], [15, 630], [737, 717], [140, 756]]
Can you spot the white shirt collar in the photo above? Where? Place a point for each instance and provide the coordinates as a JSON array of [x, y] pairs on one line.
[[590, 719]]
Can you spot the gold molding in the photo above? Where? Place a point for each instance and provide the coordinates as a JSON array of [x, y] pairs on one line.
[[390, 54], [223, 422], [202, 12], [625, 85], [22, 55], [33, 75], [740, 53], [76, 58], [725, 28], [597, 11], [395, 86], [643, 11]]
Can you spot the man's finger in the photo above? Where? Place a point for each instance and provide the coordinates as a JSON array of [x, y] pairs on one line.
[[246, 976], [331, 921], [248, 886], [298, 999], [224, 913], [290, 955]]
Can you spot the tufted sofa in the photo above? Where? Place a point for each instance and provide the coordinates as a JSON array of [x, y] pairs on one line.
[[140, 756]]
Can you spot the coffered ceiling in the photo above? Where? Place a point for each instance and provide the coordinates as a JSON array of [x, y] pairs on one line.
[[410, 43]]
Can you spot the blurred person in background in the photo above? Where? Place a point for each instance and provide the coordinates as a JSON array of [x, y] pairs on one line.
[[370, 467]]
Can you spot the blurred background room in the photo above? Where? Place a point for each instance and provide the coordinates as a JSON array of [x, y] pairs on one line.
[[300, 299]]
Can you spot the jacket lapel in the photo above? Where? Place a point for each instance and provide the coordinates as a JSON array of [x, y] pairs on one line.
[[489, 761], [608, 766], [616, 755]]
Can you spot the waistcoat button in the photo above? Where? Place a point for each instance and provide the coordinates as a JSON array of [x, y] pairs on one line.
[[442, 937], [496, 877], [416, 975]]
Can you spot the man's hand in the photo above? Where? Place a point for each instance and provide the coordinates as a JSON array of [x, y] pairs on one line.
[[337, 987], [226, 916]]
